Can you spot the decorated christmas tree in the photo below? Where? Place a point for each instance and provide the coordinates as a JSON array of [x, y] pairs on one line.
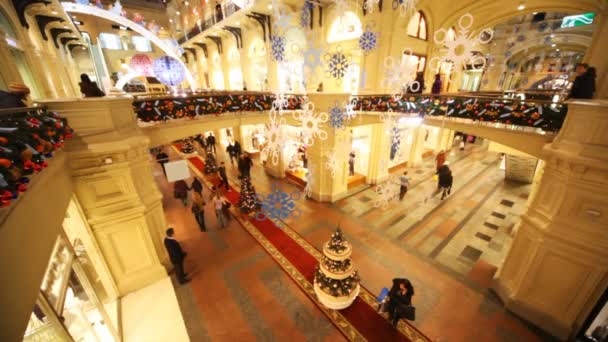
[[187, 146], [210, 164], [249, 200], [336, 282]]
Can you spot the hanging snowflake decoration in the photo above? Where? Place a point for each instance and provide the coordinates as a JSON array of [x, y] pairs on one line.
[[386, 192], [336, 117], [407, 7], [331, 162], [460, 50], [283, 22], [278, 205], [312, 57], [279, 102], [368, 40], [391, 123], [349, 109], [400, 75], [306, 14], [311, 123], [278, 48], [275, 138], [368, 5], [337, 64]]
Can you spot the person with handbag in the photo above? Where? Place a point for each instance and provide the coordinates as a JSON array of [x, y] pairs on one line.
[[218, 205], [198, 210], [400, 301]]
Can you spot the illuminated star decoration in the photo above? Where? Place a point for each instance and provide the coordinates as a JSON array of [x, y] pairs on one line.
[[278, 48], [460, 50], [311, 123], [278, 205], [368, 40]]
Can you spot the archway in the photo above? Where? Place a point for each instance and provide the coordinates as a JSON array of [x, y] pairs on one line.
[[101, 13]]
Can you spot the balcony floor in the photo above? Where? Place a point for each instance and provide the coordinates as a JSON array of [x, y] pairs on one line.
[[449, 249]]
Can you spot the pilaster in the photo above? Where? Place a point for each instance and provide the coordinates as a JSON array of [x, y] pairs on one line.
[[9, 72], [557, 267], [417, 147], [379, 154]]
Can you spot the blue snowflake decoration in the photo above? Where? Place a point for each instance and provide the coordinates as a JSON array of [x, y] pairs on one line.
[[168, 70], [336, 117], [368, 41], [278, 48], [337, 65], [278, 205]]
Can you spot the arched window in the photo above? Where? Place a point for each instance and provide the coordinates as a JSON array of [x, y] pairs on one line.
[[345, 27], [417, 26]]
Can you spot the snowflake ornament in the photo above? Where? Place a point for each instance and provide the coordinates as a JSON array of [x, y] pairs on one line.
[[400, 74], [337, 64], [312, 57], [278, 205], [460, 50], [368, 40], [407, 7], [278, 48], [349, 109], [275, 138], [391, 123], [311, 123], [309, 180], [332, 162], [386, 192], [336, 117], [280, 102]]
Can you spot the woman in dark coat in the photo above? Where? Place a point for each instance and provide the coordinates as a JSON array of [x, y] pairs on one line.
[[400, 297], [445, 180], [89, 88], [180, 191]]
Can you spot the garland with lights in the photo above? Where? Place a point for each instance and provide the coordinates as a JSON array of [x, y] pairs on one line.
[[336, 283], [27, 139], [547, 116], [163, 109]]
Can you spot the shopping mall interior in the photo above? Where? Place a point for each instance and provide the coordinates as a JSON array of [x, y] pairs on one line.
[[303, 170]]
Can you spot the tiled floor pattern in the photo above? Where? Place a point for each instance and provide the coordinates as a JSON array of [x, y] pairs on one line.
[[452, 303]]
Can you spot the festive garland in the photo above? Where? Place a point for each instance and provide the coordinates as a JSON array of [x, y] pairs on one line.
[[336, 287], [336, 266], [546, 116], [27, 139], [190, 107]]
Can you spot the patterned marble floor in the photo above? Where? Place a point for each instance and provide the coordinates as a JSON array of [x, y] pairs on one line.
[[449, 250]]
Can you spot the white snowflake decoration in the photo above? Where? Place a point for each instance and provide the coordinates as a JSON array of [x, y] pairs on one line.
[[312, 57], [332, 162], [386, 192], [349, 109], [368, 5], [309, 179], [460, 50], [368, 40], [278, 48], [280, 102], [275, 138], [399, 74], [336, 117], [407, 7], [311, 123], [391, 122]]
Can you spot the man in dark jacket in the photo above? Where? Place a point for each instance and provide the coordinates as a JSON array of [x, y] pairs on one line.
[[176, 255], [245, 164], [15, 97], [211, 143], [445, 180], [221, 171], [162, 158], [583, 86], [197, 186], [237, 149], [232, 153]]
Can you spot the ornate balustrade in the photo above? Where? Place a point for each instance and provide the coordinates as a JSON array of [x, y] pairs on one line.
[[159, 109], [546, 115], [28, 137]]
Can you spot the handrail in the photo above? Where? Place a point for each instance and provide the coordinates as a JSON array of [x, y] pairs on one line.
[[18, 110], [460, 95]]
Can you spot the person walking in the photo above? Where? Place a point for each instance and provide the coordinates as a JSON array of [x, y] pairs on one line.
[[445, 181], [218, 205], [583, 86], [180, 191], [162, 158], [201, 141], [237, 149], [221, 171], [351, 164], [211, 143], [197, 186], [436, 89], [176, 255], [245, 164], [440, 159], [405, 183], [198, 210], [232, 153]]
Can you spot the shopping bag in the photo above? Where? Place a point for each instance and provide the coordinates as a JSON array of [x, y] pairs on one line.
[[409, 312], [383, 294], [383, 307]]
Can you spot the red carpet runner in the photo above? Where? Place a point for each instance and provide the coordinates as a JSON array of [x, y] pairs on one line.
[[360, 314]]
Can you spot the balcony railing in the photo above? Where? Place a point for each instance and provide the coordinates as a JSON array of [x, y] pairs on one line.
[[164, 108], [227, 10], [545, 115], [28, 137]]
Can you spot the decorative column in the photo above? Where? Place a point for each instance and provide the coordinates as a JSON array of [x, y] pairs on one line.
[[9, 72], [33, 58], [417, 147], [557, 267], [379, 154], [112, 174]]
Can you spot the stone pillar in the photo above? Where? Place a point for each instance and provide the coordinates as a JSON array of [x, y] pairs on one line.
[[9, 72], [112, 174], [33, 59], [379, 154], [557, 267], [417, 147]]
